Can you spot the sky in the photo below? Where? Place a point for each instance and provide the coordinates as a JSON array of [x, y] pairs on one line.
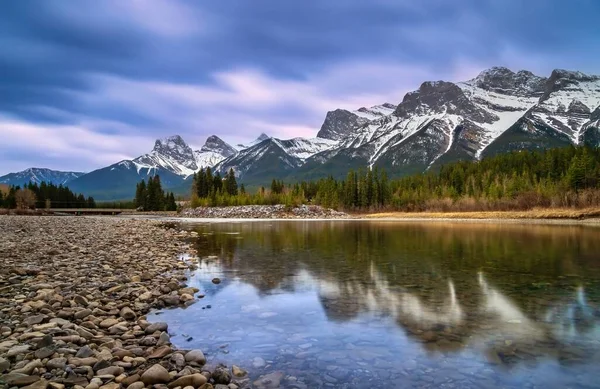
[[87, 83]]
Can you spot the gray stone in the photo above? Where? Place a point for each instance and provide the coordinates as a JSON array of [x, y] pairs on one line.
[[4, 365], [221, 376], [195, 356], [56, 363], [152, 328], [85, 352]]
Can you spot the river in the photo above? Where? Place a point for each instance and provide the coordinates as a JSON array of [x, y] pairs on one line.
[[363, 304]]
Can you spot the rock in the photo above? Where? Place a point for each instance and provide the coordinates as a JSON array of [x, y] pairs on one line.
[[41, 384], [101, 364], [45, 352], [137, 385], [16, 379], [106, 323], [238, 372], [84, 352], [195, 356], [258, 362], [111, 385], [28, 368], [81, 300], [82, 314], [178, 360], [18, 350], [111, 370], [170, 299], [195, 380], [127, 314], [186, 297], [269, 381], [221, 376], [163, 339], [83, 361], [56, 363], [156, 375], [4, 365], [152, 328], [45, 341], [216, 281], [36, 319], [160, 352]]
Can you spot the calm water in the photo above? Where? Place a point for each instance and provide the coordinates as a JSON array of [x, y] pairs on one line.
[[392, 305]]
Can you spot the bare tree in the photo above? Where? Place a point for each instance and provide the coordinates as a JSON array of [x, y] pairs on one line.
[[25, 199]]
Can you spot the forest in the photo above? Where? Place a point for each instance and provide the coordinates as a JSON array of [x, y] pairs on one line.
[[44, 195], [558, 178], [149, 196]]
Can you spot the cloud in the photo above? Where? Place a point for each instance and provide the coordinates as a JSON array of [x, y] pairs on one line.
[[129, 72]]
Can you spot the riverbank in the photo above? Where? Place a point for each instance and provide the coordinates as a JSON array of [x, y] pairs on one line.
[[74, 295], [535, 214]]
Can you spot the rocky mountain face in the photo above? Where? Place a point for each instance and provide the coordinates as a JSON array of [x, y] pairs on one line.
[[441, 122], [39, 175]]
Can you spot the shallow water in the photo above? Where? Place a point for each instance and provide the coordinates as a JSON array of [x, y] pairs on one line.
[[349, 304]]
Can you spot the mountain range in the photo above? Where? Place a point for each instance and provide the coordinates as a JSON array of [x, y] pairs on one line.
[[497, 111]]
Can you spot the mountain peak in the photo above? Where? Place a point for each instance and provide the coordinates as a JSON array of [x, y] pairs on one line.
[[561, 79], [171, 142], [504, 81], [340, 123], [262, 137], [217, 145]]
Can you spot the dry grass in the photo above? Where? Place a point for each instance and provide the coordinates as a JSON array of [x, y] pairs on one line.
[[542, 213]]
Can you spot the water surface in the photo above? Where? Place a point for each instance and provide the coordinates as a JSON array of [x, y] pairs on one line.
[[347, 304]]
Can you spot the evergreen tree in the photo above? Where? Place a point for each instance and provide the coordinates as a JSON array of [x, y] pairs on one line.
[[242, 189], [232, 187], [141, 196]]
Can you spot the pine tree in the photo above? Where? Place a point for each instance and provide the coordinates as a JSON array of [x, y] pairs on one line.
[[141, 196], [232, 187], [243, 189]]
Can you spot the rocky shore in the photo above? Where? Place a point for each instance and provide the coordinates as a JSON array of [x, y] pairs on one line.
[[73, 295], [265, 212]]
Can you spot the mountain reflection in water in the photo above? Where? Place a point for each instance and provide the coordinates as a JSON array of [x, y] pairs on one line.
[[347, 303]]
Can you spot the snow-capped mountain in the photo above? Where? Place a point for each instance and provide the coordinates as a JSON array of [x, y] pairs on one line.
[[39, 175], [497, 111], [172, 158]]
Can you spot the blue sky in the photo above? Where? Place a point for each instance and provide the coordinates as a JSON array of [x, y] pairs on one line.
[[86, 83]]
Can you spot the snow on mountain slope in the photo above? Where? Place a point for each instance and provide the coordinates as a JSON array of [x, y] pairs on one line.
[[375, 112], [568, 101], [214, 151], [39, 175], [288, 154], [172, 154]]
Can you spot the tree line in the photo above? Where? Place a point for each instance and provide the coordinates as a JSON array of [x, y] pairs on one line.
[[45, 195], [563, 177], [149, 196]]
